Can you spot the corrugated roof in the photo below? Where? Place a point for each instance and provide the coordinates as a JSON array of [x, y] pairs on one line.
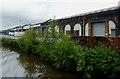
[[92, 12]]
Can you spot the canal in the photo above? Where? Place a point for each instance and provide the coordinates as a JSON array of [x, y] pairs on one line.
[[18, 64]]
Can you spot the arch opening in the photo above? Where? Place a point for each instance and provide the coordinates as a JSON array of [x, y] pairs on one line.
[[86, 29], [57, 28], [112, 29], [77, 29], [67, 29]]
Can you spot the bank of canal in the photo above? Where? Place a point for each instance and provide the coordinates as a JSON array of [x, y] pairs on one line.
[[18, 64]]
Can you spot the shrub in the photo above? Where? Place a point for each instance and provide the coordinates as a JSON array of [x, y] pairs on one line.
[[28, 41], [9, 42], [65, 55], [79, 57], [57, 48], [102, 60], [62, 54]]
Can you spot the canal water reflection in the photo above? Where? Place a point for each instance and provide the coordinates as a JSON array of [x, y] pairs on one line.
[[18, 64]]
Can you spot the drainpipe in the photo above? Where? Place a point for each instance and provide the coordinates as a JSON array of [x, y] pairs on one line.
[[107, 28], [89, 29], [83, 29]]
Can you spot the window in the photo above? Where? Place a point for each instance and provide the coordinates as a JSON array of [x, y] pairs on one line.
[[76, 32], [113, 32]]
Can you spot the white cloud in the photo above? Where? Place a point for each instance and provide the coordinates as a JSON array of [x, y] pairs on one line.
[[71, 8]]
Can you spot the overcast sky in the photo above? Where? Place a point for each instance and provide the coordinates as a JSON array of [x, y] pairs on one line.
[[19, 12]]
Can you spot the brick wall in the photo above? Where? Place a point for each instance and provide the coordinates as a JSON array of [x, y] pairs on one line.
[[91, 41]]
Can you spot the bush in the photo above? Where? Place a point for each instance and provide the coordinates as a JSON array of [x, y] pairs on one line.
[[103, 61], [65, 55], [79, 57], [27, 43], [9, 42], [62, 52], [56, 48]]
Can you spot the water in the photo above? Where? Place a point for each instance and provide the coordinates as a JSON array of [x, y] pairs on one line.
[[19, 64]]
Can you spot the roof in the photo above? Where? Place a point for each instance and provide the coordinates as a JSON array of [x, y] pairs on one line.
[[93, 12], [42, 26], [31, 24], [42, 22]]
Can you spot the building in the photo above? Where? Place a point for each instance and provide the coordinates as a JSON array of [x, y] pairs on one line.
[[104, 22]]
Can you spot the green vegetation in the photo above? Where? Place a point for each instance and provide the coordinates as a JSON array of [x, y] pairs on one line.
[[9, 42], [102, 60], [1, 31], [27, 43], [64, 54]]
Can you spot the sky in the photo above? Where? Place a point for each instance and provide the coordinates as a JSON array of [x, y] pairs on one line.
[[20, 12]]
